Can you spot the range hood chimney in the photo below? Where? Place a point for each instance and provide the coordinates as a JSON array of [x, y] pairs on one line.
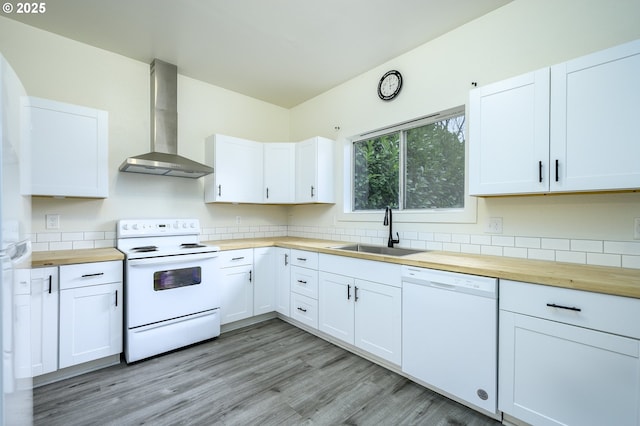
[[163, 159]]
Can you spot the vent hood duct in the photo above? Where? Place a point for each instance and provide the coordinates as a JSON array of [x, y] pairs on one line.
[[164, 159]]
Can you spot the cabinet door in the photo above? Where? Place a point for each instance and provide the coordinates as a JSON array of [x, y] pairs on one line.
[[236, 289], [69, 150], [237, 175], [335, 306], [378, 320], [90, 323], [314, 171], [264, 284], [509, 136], [44, 320], [557, 374], [283, 280], [279, 172], [594, 105]]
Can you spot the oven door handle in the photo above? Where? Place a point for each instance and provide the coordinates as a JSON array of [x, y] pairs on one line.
[[182, 258]]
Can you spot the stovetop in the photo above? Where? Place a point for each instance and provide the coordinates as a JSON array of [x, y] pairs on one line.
[[138, 238]]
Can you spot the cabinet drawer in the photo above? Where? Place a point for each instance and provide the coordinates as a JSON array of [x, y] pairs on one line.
[[236, 258], [304, 281], [88, 274], [307, 259], [304, 309], [612, 314]]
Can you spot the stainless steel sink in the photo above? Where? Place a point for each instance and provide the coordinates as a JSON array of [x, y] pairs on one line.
[[387, 251]]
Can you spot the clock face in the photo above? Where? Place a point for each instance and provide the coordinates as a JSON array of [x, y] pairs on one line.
[[390, 85]]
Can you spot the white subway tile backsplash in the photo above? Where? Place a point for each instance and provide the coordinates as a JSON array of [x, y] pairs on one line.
[[603, 259], [77, 245], [587, 246], [571, 256], [46, 237], [460, 238], [528, 242], [94, 235], [624, 254], [631, 262], [555, 244], [445, 238], [622, 247], [491, 250], [62, 245], [520, 252], [541, 254], [500, 240], [470, 248], [72, 236], [481, 240]]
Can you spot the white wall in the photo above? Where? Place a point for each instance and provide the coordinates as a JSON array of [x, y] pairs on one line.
[[59, 68], [522, 36]]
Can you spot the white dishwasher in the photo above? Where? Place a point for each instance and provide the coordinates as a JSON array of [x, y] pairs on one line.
[[449, 334]]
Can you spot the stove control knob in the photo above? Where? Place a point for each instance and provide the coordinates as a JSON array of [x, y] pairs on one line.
[[135, 226], [125, 226], [193, 225], [184, 225]]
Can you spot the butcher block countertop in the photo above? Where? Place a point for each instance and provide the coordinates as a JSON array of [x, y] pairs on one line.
[[68, 257], [599, 279]]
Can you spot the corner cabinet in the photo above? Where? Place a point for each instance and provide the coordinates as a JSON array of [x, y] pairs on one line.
[[237, 170], [559, 129], [269, 173], [91, 319], [568, 357], [314, 171], [279, 173], [68, 147]]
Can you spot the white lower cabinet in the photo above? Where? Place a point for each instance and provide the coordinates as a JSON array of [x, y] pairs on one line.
[[568, 357], [359, 311], [236, 285], [283, 280], [362, 313], [44, 320], [304, 287], [90, 312], [264, 284]]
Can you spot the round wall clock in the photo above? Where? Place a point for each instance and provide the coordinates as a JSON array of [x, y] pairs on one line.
[[390, 85]]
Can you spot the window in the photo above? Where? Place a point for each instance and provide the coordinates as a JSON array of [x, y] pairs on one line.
[[417, 166]]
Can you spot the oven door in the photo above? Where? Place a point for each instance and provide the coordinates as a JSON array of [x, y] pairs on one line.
[[163, 288]]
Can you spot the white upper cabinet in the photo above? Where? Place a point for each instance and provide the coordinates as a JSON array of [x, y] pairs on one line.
[[269, 173], [314, 171], [68, 150], [595, 105], [509, 136], [279, 172], [560, 129], [237, 170]]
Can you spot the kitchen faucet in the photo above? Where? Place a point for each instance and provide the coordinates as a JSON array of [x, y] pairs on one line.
[[388, 221]]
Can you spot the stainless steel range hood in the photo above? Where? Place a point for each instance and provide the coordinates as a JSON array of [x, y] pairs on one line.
[[164, 159]]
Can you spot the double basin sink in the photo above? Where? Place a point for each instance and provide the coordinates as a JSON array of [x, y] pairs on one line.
[[373, 249]]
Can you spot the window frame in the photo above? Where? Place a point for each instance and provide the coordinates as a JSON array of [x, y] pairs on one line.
[[467, 214]]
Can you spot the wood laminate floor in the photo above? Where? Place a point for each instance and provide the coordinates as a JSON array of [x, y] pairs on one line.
[[269, 374]]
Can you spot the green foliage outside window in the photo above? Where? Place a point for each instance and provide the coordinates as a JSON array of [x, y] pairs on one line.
[[430, 159], [376, 174]]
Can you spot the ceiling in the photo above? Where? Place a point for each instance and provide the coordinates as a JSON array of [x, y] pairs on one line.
[[280, 51]]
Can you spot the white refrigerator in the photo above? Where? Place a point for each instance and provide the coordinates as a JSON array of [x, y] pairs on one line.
[[16, 405]]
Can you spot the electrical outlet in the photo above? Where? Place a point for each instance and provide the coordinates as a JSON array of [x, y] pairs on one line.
[[494, 225], [52, 221], [636, 228], [238, 220]]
